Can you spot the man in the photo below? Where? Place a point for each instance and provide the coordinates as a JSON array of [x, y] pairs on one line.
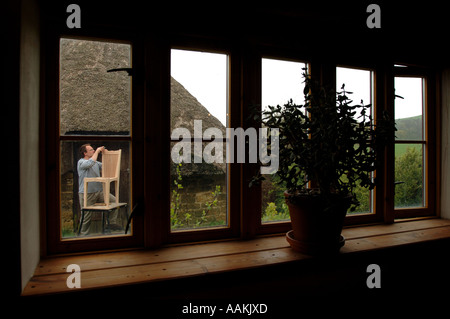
[[88, 166]]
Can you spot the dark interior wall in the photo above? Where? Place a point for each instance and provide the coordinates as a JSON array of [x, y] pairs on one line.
[[10, 129], [325, 29]]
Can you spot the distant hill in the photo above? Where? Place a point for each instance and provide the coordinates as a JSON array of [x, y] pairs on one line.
[[409, 128]]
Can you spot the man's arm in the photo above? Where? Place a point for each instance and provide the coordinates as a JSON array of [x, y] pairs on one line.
[[97, 151]]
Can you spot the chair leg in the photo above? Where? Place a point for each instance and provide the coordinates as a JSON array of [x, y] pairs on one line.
[[117, 192], [103, 221], [106, 191], [85, 193], [81, 222]]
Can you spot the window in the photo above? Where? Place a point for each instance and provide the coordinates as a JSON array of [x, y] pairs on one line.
[[281, 81], [358, 85], [72, 195], [415, 155], [199, 117], [95, 111], [410, 143], [174, 140], [93, 104]]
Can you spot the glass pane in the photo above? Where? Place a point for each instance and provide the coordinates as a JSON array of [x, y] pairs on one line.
[[409, 175], [198, 89], [198, 109], [409, 108], [72, 190], [281, 81], [359, 87], [274, 208], [92, 100], [198, 190], [365, 198]]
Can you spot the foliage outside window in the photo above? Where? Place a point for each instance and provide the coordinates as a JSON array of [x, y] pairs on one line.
[[410, 142]]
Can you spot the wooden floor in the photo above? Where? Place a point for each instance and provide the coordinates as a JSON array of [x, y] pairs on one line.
[[142, 266]]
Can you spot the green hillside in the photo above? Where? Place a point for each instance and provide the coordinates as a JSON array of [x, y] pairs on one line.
[[409, 128]]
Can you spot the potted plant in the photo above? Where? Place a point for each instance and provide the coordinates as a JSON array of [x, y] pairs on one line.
[[327, 148]]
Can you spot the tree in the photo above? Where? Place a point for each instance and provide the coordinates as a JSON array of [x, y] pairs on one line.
[[409, 171]]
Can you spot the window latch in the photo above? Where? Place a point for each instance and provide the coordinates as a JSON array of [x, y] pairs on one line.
[[137, 209], [128, 70]]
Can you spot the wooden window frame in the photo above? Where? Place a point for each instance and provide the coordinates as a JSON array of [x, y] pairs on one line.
[[151, 149], [163, 234], [378, 191], [429, 142], [252, 210], [52, 242], [326, 74]]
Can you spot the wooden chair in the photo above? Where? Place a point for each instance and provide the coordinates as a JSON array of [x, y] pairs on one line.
[[110, 174]]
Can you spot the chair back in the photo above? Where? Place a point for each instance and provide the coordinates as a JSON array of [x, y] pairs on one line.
[[111, 163]]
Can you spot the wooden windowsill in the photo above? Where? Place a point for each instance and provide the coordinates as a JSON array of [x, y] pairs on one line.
[[143, 266]]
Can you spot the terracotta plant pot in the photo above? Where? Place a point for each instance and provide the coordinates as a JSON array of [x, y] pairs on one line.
[[315, 229]]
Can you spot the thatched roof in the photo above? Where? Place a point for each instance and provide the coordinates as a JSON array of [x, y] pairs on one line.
[[93, 100], [185, 108]]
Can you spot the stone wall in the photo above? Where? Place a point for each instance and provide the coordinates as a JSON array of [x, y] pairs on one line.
[[198, 191]]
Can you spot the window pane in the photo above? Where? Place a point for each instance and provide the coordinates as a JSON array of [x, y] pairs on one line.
[[359, 87], [72, 192], [409, 157], [281, 81], [365, 199], [274, 207], [409, 108], [356, 81], [92, 100], [198, 190], [199, 89], [198, 183], [409, 175]]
